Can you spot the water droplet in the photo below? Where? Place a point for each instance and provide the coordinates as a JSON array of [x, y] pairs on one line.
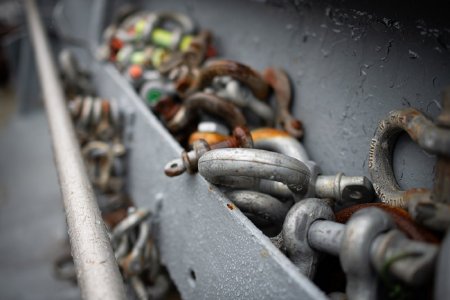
[[412, 54], [325, 53]]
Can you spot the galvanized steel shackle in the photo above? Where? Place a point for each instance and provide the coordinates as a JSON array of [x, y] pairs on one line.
[[254, 164], [346, 190], [130, 222], [262, 208], [364, 245], [280, 141], [295, 232], [135, 259], [355, 251], [189, 160], [421, 130]]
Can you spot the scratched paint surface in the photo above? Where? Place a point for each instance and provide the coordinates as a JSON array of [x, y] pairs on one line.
[[349, 66]]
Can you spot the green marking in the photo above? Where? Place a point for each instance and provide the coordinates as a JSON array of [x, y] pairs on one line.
[[153, 96]]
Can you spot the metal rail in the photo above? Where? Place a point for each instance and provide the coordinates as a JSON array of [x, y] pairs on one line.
[[97, 271]]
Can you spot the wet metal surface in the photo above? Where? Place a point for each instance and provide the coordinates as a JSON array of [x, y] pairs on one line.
[[349, 68]]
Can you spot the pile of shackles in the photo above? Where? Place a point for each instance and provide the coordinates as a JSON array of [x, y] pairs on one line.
[[99, 128], [243, 138]]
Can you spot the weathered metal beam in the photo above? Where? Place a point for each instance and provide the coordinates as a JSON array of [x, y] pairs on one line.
[[97, 271]]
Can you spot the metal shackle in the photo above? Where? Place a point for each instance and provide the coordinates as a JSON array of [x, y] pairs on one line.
[[237, 71], [255, 164], [432, 208], [209, 104], [189, 160], [211, 126], [262, 208], [346, 190], [209, 137], [76, 80], [240, 95], [279, 141], [295, 232], [89, 112], [416, 260], [267, 138], [368, 245], [84, 117], [280, 83], [355, 252], [130, 222], [421, 130], [157, 291], [155, 90], [134, 263], [101, 162]]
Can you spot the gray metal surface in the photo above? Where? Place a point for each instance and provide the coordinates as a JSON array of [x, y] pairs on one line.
[[97, 271], [349, 67], [211, 251], [32, 223]]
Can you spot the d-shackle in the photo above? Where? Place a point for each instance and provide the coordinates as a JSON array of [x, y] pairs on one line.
[[210, 104], [431, 208], [254, 164], [218, 168], [364, 245]]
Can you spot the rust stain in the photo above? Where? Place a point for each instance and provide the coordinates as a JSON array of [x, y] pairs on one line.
[[236, 70], [257, 134], [241, 139], [167, 108], [115, 217], [279, 81], [264, 253], [210, 104], [230, 206], [297, 124], [415, 192], [209, 137], [401, 217], [267, 133], [105, 107]]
